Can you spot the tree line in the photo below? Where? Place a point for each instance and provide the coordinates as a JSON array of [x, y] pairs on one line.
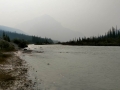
[[21, 40], [111, 38], [29, 39]]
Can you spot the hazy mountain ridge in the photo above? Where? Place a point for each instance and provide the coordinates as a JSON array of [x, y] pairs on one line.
[[46, 26], [5, 28]]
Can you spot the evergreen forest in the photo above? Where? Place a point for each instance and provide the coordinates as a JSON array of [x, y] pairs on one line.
[[13, 36], [111, 38]]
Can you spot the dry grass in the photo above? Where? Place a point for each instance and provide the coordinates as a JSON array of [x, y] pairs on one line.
[[4, 57], [6, 80], [6, 77], [2, 60]]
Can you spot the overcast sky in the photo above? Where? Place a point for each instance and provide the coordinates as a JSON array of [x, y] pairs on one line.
[[90, 17]]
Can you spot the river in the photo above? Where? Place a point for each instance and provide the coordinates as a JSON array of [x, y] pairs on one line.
[[58, 67]]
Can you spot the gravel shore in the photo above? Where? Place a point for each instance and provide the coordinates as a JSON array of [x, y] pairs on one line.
[[14, 74]]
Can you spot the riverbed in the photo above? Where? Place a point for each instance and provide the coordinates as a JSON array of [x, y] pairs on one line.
[[58, 67]]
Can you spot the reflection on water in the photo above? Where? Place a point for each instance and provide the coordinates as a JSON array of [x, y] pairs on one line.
[[74, 67]]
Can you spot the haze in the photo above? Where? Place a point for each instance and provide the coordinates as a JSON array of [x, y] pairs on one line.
[[90, 17]]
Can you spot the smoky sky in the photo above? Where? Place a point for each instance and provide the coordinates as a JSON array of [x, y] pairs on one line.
[[90, 17]]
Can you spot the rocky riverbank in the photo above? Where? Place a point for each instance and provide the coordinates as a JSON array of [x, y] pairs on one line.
[[14, 73]]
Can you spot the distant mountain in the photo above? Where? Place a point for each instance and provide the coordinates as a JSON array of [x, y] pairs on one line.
[[46, 26], [5, 28]]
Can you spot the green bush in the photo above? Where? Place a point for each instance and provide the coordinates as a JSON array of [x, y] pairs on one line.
[[21, 43], [6, 46]]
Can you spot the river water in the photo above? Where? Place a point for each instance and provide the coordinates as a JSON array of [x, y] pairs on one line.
[[58, 67]]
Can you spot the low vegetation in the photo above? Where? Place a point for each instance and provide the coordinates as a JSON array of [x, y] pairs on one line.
[[4, 57], [6, 77], [6, 80], [6, 46], [21, 43]]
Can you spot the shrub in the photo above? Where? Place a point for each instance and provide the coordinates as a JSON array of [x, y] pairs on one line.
[[21, 43], [6, 46]]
